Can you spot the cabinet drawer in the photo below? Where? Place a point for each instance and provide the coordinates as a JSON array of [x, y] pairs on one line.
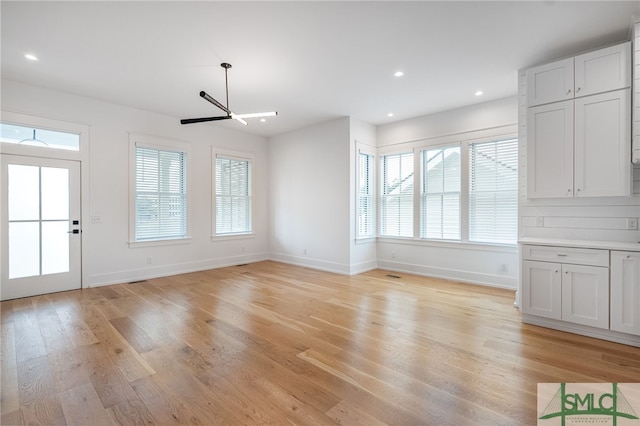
[[576, 256]]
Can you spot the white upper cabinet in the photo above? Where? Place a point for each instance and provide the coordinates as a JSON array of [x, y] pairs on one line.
[[579, 140], [551, 156], [600, 71], [603, 70], [550, 82], [602, 136]]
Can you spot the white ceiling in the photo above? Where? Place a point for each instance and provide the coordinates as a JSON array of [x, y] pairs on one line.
[[310, 61]]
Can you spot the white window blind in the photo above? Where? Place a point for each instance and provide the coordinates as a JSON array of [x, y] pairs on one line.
[[161, 194], [493, 192], [397, 195], [366, 207], [440, 193], [233, 195]]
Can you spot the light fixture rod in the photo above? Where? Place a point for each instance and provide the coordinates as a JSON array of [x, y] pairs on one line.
[[206, 96]]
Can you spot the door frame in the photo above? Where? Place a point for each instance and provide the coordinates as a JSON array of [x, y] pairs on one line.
[[82, 156]]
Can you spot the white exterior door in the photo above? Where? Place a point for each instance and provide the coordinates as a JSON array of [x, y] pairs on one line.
[[41, 229]]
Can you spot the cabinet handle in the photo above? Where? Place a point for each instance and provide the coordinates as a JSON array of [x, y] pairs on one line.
[[578, 90], [556, 271], [562, 255], [569, 92]]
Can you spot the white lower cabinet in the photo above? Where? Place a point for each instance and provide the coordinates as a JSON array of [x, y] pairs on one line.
[[590, 291], [625, 292], [585, 295], [542, 289], [572, 293]]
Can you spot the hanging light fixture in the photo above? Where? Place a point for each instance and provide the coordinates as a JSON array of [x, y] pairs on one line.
[[33, 141]]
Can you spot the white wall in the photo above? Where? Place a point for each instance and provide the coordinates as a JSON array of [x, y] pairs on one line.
[[309, 175], [107, 256], [484, 264]]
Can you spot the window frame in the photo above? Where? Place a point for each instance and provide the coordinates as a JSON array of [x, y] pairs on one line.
[[464, 140], [422, 194], [362, 149], [515, 201], [160, 144], [382, 196], [239, 156]]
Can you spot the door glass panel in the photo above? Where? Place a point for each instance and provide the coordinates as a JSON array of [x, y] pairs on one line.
[[24, 249], [55, 247], [24, 192], [55, 193]]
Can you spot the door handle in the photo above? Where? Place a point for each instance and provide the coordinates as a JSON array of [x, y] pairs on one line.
[[75, 231]]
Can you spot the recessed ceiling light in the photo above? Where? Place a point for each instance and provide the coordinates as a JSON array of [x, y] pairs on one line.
[[263, 120], [31, 57], [479, 93], [398, 74], [390, 114]]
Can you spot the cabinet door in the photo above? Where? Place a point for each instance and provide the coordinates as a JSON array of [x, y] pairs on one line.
[[541, 289], [585, 295], [602, 145], [603, 70], [550, 150], [625, 292], [550, 82]]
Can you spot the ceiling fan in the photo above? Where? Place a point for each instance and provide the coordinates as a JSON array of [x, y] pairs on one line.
[[225, 108]]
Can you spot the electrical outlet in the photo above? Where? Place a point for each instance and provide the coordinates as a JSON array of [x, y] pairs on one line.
[[632, 223], [504, 268], [149, 261], [540, 221], [304, 251], [393, 254], [96, 219]]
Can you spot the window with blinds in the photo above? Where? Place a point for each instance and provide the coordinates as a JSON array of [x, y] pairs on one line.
[[396, 201], [233, 195], [440, 193], [493, 192], [366, 206], [160, 194]]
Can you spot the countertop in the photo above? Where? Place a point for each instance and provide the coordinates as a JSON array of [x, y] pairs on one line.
[[607, 245]]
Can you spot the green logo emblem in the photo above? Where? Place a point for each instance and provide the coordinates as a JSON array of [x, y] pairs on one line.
[[564, 404]]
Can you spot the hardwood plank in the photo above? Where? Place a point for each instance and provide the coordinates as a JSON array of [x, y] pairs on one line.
[[81, 406], [136, 337], [9, 401], [109, 383], [68, 369], [131, 412], [39, 401]]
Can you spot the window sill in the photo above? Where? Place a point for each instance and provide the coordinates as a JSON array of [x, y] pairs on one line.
[[461, 245], [365, 240], [229, 237], [155, 243]]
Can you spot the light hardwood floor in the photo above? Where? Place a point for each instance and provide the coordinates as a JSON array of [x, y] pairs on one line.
[[269, 343]]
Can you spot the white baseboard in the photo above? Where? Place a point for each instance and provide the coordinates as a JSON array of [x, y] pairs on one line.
[[307, 262], [149, 272], [498, 281]]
